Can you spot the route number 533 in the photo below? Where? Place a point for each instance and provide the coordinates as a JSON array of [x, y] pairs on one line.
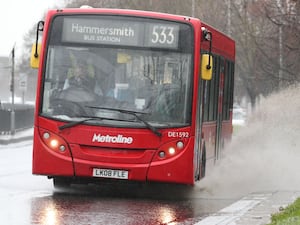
[[163, 35]]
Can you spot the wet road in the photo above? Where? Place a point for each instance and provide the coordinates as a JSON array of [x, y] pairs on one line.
[[27, 199]]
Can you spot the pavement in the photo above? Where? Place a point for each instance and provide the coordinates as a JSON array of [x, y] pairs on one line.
[[18, 136], [254, 209]]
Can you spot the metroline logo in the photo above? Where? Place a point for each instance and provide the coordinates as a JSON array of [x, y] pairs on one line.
[[119, 139]]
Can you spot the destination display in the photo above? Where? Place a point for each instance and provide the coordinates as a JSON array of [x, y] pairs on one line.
[[117, 32]]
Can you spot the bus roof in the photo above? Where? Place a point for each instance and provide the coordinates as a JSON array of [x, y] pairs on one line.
[[129, 12]]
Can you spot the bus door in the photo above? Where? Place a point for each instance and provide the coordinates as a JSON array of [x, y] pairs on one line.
[[220, 73]]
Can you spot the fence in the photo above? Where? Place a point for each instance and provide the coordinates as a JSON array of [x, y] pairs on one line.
[[23, 117]]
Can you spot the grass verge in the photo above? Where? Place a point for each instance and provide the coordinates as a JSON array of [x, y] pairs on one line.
[[289, 216]]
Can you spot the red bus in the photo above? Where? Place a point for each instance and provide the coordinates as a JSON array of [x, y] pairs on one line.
[[129, 95]]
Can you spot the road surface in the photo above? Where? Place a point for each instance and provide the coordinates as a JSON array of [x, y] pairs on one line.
[[27, 199]]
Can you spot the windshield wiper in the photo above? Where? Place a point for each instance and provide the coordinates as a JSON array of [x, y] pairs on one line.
[[75, 123], [134, 113], [78, 122]]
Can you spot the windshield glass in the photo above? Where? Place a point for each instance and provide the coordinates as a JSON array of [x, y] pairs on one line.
[[87, 80]]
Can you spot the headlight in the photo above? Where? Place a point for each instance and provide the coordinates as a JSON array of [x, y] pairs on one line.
[[170, 149], [53, 141]]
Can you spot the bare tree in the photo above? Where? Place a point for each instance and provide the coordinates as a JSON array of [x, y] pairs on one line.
[[267, 45], [283, 15]]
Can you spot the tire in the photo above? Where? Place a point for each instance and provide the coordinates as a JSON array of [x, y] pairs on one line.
[[203, 164], [61, 183]]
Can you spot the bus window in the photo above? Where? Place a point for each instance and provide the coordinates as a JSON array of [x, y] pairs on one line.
[[155, 84], [228, 90], [212, 92]]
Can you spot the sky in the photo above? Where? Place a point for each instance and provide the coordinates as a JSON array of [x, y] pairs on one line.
[[17, 17]]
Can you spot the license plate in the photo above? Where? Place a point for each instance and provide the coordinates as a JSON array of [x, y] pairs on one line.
[[108, 173]]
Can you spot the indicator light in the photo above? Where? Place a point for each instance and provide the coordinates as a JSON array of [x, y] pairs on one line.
[[162, 154], [179, 144], [46, 135], [62, 148]]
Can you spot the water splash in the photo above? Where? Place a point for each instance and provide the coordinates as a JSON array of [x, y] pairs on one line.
[[264, 155]]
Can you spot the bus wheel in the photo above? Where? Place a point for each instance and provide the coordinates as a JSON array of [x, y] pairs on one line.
[[61, 182], [203, 163]]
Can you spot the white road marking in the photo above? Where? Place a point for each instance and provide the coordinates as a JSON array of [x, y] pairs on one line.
[[230, 214]]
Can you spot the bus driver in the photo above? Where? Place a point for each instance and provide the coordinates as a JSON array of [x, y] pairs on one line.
[[80, 85]]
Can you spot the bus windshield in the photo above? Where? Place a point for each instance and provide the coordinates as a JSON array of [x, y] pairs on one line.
[[103, 71]]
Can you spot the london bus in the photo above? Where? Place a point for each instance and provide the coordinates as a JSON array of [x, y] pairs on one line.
[[126, 95]]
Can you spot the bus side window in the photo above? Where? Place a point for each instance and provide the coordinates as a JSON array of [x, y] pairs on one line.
[[228, 89]]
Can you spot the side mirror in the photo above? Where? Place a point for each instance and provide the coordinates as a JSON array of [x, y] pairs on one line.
[[206, 66], [35, 56]]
